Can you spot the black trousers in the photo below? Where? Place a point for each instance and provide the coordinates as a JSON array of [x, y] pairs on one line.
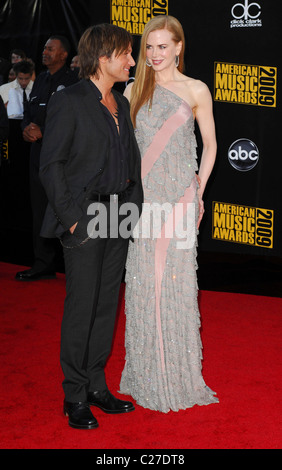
[[44, 248], [93, 275]]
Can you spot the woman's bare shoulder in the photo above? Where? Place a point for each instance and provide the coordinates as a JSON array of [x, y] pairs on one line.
[[127, 91], [195, 85], [197, 90]]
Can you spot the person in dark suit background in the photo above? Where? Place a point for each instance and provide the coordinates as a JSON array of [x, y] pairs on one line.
[[58, 76], [90, 156], [4, 123]]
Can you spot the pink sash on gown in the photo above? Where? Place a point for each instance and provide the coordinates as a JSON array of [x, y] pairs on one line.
[[152, 154]]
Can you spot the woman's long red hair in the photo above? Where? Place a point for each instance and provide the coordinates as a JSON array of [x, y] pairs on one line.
[[144, 84]]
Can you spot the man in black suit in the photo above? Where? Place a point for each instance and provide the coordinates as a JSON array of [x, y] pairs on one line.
[[58, 76], [90, 157], [4, 124]]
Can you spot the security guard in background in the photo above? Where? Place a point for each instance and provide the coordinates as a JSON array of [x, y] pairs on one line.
[[57, 77]]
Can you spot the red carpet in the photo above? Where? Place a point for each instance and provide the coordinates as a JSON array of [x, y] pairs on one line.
[[242, 361]]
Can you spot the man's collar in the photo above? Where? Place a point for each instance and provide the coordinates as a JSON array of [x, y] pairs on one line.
[[96, 90], [62, 69], [28, 87]]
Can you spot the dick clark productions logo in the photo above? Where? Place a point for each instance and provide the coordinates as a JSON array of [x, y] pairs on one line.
[[243, 154], [246, 14], [245, 10]]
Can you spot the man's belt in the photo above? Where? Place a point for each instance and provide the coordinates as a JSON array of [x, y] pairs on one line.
[[118, 197]]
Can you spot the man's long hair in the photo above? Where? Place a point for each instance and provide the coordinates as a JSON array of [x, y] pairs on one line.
[[100, 41]]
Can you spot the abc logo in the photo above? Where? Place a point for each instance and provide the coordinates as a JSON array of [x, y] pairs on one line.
[[243, 154]]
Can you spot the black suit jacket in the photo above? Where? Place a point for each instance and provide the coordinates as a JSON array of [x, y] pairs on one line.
[[44, 86], [74, 154]]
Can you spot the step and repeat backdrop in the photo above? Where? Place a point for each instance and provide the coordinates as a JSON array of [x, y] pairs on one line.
[[234, 47]]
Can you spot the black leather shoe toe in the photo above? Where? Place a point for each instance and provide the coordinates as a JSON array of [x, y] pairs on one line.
[[108, 403], [80, 416], [33, 275]]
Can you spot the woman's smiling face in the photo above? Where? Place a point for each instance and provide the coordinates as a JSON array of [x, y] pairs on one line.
[[161, 49]]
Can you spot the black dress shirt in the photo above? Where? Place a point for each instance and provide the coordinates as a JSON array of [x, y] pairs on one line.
[[114, 178]]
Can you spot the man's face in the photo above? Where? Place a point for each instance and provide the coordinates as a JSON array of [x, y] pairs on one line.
[[53, 53], [75, 62], [117, 67], [15, 58], [23, 79], [12, 75]]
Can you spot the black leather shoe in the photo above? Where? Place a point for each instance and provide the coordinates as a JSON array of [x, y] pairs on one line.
[[80, 416], [108, 403], [33, 275]]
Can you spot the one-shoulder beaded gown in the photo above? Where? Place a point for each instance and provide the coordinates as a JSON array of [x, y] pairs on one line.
[[163, 368]]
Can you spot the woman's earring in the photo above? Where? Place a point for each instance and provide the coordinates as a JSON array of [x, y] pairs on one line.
[[176, 60], [148, 63]]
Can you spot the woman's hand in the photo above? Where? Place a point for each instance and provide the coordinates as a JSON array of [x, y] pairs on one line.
[[201, 211], [201, 202]]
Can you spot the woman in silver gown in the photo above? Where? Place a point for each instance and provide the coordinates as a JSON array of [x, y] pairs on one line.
[[163, 368]]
